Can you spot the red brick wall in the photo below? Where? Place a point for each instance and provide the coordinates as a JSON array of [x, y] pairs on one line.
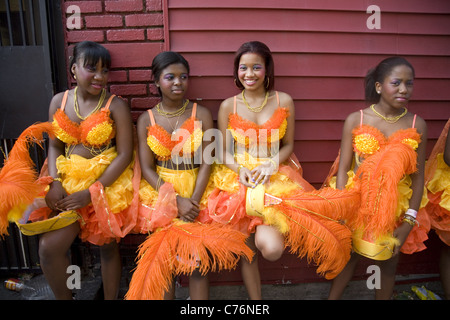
[[133, 32]]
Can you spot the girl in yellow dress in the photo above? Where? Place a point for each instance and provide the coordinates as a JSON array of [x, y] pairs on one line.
[[383, 155], [90, 173]]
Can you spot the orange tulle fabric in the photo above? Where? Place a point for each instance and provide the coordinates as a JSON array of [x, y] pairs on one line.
[[19, 183], [176, 247]]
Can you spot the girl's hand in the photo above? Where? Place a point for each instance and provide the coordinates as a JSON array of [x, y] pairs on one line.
[[74, 201], [262, 173], [401, 233], [188, 209], [245, 176], [55, 194]]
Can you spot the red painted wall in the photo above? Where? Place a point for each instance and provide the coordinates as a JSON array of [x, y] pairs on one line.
[[322, 51]]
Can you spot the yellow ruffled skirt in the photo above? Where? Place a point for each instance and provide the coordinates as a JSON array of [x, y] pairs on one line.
[[113, 211]]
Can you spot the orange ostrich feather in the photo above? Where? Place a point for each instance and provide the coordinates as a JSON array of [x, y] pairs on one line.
[[317, 227], [182, 248], [18, 186], [379, 175]]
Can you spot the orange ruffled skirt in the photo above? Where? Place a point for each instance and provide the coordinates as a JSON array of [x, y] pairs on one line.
[[113, 211]]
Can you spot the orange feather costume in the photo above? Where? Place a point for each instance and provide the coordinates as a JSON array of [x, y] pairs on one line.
[[384, 184], [19, 183]]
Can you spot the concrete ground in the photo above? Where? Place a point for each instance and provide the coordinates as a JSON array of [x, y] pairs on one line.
[[356, 290]]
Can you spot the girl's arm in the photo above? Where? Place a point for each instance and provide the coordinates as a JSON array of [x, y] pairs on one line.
[[346, 150], [55, 149]]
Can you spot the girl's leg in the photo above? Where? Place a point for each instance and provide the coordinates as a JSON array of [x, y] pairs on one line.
[[444, 266], [54, 258], [388, 269], [342, 279], [198, 286], [250, 272], [111, 269], [270, 242]]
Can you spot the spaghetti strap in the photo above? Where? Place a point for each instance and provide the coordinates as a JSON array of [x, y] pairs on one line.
[[414, 121], [152, 119], [361, 121], [194, 110], [278, 98], [109, 101], [234, 107], [64, 100]]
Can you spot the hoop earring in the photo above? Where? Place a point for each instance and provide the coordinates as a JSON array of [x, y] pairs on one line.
[[268, 82]]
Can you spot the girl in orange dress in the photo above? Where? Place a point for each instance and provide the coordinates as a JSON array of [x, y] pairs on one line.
[[258, 163], [89, 173], [437, 181], [172, 193], [383, 155]]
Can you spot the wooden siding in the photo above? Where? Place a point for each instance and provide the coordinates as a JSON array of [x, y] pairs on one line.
[[322, 50]]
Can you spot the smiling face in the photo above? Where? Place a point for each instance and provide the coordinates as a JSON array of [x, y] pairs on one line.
[[252, 71], [397, 87], [173, 81], [92, 78]]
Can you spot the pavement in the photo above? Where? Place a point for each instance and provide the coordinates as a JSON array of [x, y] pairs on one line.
[[91, 285]]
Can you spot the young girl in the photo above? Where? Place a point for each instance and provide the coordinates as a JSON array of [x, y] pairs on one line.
[[173, 193], [437, 181], [383, 155], [258, 128], [90, 169]]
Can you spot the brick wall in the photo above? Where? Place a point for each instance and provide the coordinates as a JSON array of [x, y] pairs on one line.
[[133, 32]]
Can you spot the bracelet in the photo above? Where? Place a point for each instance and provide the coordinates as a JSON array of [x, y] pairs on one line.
[[410, 220], [57, 179], [412, 213]]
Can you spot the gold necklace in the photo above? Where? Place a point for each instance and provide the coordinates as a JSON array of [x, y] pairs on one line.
[[76, 107], [169, 114], [255, 109], [389, 119]]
